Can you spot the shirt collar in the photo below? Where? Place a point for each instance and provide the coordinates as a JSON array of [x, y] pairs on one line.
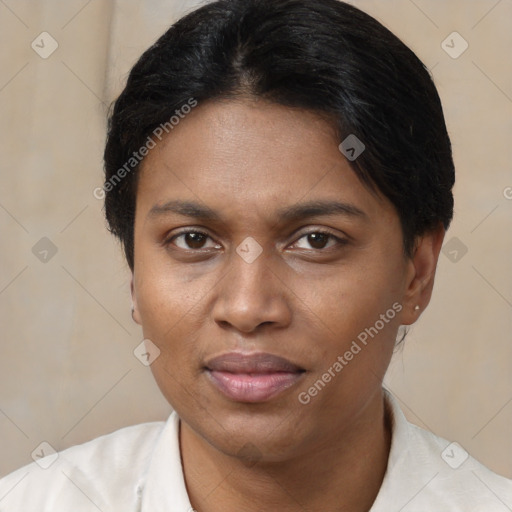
[[399, 431], [165, 490], [409, 466]]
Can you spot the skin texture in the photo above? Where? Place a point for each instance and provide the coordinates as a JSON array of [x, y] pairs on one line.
[[302, 299]]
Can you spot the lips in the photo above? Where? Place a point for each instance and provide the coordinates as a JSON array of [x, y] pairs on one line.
[[252, 377]]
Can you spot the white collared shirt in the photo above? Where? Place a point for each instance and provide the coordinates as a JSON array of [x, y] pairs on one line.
[[138, 469]]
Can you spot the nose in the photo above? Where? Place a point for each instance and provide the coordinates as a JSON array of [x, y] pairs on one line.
[[252, 295]]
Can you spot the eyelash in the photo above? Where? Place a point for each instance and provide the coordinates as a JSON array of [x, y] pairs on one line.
[[339, 241]]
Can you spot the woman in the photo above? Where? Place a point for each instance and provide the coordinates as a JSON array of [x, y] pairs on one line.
[[279, 174]]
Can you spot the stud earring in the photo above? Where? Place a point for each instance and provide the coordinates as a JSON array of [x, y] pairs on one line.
[[416, 308]]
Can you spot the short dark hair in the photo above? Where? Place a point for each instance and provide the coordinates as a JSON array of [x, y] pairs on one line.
[[323, 55]]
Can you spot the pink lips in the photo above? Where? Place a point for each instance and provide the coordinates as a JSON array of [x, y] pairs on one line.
[[252, 377]]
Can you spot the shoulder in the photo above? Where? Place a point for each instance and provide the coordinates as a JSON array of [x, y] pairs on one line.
[[426, 470], [457, 474], [87, 476]]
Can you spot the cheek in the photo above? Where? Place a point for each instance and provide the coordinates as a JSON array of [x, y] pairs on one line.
[[359, 308], [168, 311], [165, 293], [354, 295], [168, 308]]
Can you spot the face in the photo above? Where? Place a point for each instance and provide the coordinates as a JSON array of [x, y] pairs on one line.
[[282, 253]]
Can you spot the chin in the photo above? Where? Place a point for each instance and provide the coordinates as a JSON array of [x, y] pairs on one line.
[[244, 433]]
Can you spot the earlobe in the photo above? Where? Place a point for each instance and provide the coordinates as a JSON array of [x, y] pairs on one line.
[[420, 279], [135, 311]]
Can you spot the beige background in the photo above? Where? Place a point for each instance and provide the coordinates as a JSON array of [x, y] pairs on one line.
[[67, 369]]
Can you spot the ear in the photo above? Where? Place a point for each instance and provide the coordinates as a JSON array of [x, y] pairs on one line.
[[135, 309], [420, 275]]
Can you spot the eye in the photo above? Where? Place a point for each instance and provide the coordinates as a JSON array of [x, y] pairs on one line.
[[195, 240], [318, 240], [191, 240]]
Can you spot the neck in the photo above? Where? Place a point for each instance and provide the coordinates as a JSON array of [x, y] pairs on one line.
[[344, 473]]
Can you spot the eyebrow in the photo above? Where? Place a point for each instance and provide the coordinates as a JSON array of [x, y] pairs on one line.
[[286, 214], [185, 208], [319, 208]]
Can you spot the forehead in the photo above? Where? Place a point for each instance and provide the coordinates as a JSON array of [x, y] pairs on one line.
[[251, 155]]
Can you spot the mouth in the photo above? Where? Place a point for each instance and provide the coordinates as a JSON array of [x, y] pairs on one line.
[[252, 377]]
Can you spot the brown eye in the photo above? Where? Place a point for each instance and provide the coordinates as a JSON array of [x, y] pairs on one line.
[[318, 240], [190, 240], [194, 240]]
